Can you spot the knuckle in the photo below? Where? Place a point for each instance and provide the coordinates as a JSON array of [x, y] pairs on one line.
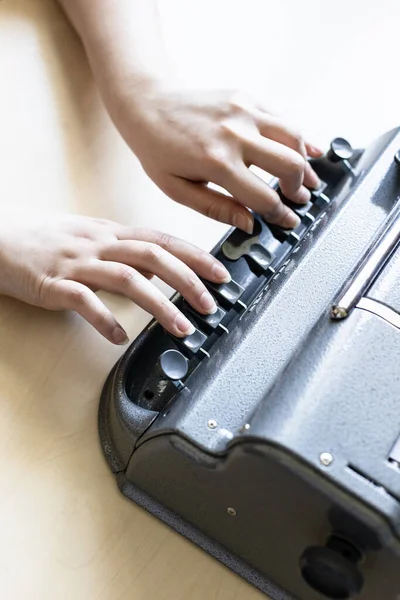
[[101, 319], [161, 308], [238, 102], [125, 276], [217, 160], [163, 240], [77, 296], [297, 165], [215, 211], [153, 253], [275, 205], [192, 282], [297, 140]]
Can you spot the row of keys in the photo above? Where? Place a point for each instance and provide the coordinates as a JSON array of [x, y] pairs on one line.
[[264, 251], [227, 294], [239, 244]]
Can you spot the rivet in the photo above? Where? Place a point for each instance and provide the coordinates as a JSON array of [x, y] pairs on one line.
[[326, 459], [245, 427], [231, 511], [212, 424]]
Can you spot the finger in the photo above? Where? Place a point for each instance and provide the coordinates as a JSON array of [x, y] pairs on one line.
[[210, 203], [275, 129], [169, 268], [124, 280], [311, 179], [146, 274], [246, 187], [313, 151], [282, 162], [71, 295], [198, 260]]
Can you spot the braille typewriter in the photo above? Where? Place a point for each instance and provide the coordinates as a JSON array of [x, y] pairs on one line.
[[270, 437]]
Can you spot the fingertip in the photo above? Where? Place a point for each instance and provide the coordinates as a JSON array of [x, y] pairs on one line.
[[119, 336], [311, 179], [243, 222], [183, 326], [291, 220], [220, 273], [313, 151]]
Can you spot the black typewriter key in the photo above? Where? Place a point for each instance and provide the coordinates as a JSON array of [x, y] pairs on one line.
[[280, 234], [261, 256], [319, 198], [173, 365], [193, 342], [302, 209], [210, 322], [226, 292], [288, 235], [240, 244]]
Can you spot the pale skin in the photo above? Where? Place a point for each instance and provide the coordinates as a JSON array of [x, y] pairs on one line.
[[184, 141]]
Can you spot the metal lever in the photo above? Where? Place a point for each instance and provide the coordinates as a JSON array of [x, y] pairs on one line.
[[383, 246]]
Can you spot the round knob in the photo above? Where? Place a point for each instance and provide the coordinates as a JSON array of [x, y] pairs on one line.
[[173, 365], [340, 150], [330, 573]]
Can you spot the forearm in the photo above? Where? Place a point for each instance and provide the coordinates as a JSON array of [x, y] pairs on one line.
[[122, 41]]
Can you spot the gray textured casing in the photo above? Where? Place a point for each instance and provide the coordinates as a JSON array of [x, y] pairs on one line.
[[303, 385]]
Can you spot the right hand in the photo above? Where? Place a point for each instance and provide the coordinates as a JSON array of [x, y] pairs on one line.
[[185, 141], [58, 262]]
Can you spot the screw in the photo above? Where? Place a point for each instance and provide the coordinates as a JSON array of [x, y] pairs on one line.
[[326, 459], [245, 427], [231, 512], [212, 424]]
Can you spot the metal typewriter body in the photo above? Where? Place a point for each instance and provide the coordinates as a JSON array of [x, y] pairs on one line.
[[271, 443]]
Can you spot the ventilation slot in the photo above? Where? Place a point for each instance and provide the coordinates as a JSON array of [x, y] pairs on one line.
[[371, 482]]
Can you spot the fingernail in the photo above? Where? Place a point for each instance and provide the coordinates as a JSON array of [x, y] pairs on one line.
[[119, 336], [316, 183], [221, 273], [207, 303], [244, 223], [184, 325], [315, 150], [305, 195], [290, 221]]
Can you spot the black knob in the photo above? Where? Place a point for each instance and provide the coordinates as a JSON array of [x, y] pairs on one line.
[[340, 150], [173, 365], [332, 570]]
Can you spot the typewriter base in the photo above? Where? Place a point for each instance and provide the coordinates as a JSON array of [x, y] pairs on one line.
[[191, 533], [202, 541]]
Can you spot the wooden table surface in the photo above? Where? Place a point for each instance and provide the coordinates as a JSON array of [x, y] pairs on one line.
[[66, 532]]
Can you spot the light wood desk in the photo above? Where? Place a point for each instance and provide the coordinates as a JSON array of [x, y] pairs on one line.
[[66, 532]]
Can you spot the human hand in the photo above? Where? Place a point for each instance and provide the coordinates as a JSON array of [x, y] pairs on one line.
[[185, 141], [58, 262]]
